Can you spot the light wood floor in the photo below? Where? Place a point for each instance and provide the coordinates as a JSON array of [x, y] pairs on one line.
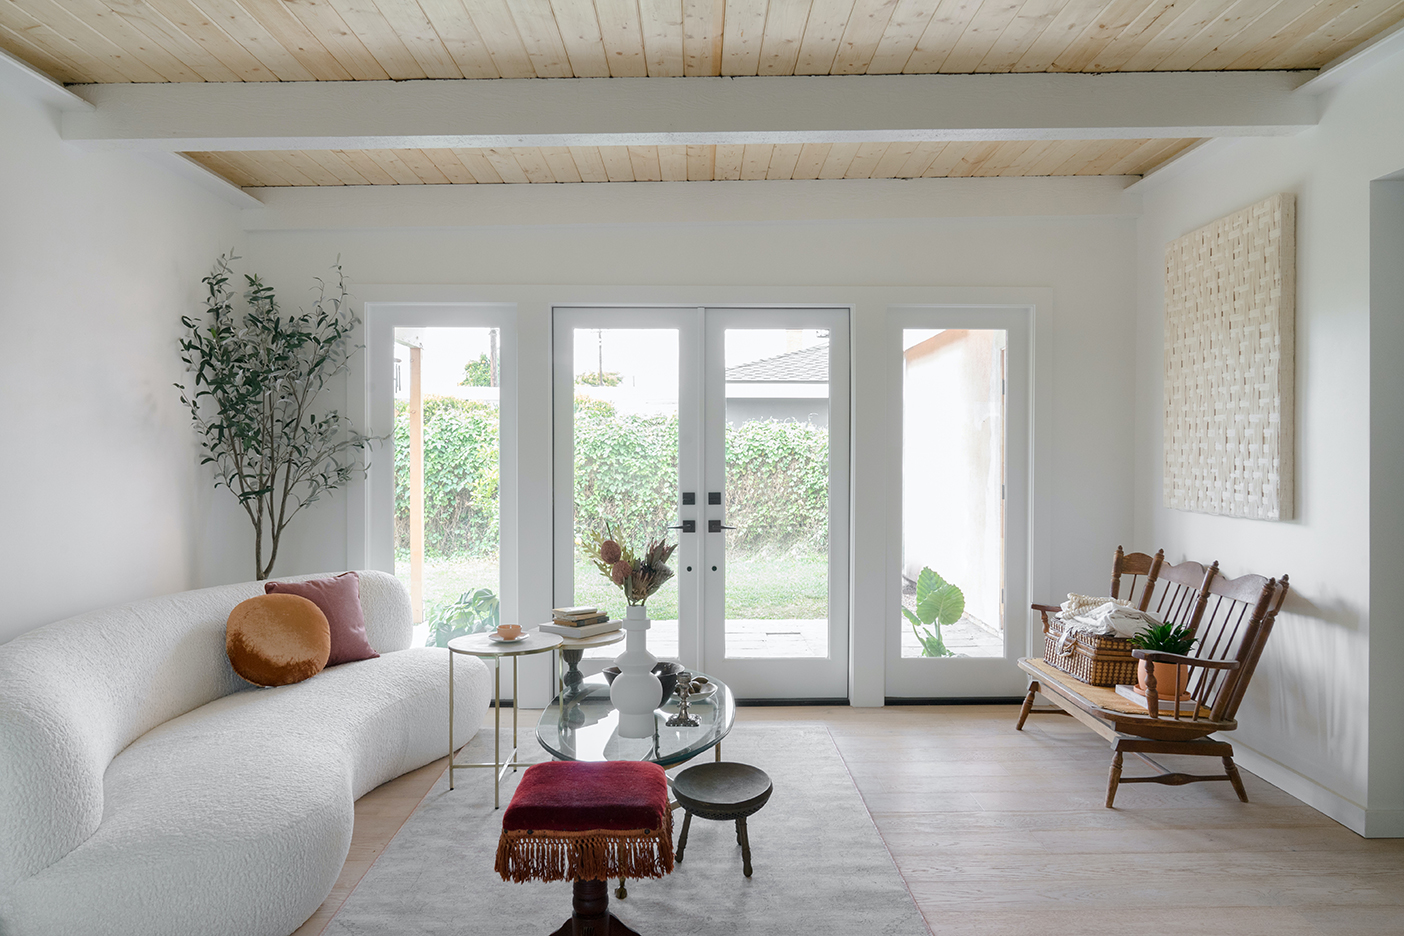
[[1003, 832]]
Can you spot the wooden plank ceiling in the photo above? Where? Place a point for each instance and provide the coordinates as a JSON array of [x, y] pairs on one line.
[[692, 163], [306, 40]]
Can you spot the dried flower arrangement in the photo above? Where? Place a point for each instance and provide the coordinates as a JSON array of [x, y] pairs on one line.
[[637, 577]]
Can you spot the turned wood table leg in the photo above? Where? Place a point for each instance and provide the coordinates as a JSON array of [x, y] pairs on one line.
[[1028, 705], [1114, 779]]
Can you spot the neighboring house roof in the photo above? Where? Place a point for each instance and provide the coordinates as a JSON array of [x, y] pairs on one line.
[[804, 365]]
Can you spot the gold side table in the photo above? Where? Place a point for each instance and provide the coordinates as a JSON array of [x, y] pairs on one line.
[[484, 647]]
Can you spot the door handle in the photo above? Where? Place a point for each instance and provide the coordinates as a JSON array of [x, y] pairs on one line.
[[687, 526], [716, 526]]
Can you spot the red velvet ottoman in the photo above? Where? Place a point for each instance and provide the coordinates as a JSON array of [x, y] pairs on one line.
[[587, 822]]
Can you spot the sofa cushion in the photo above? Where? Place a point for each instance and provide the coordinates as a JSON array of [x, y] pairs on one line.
[[339, 598], [277, 640]]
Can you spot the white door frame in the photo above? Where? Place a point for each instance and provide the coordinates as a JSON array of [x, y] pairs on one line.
[[966, 677]]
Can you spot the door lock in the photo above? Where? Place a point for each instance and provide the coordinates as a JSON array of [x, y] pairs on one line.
[[687, 526], [716, 526]]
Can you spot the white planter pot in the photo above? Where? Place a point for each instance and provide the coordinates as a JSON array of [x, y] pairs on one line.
[[636, 690]]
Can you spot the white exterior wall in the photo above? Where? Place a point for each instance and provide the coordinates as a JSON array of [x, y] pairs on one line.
[[1310, 722]]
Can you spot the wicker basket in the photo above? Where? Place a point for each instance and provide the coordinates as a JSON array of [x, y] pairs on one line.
[[1099, 661]]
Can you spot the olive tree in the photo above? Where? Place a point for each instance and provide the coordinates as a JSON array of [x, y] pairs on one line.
[[256, 374]]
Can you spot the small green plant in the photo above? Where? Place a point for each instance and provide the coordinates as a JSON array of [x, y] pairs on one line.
[[1165, 638], [473, 613], [938, 602]]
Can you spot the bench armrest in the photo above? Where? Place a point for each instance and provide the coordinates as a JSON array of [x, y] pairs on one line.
[[1156, 656], [1047, 608]]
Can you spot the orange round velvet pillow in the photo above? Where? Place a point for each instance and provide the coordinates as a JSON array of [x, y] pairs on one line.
[[277, 640]]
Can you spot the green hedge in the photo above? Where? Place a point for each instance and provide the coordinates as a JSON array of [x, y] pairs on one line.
[[625, 472]]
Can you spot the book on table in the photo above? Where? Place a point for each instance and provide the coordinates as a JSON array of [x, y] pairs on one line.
[[577, 611], [579, 632], [1185, 706], [581, 621]]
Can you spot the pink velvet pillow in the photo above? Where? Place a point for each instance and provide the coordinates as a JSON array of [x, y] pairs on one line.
[[340, 600]]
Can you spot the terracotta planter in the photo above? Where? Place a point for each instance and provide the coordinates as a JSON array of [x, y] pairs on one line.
[[1165, 677]]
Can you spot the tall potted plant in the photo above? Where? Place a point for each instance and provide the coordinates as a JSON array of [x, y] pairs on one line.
[[256, 374]]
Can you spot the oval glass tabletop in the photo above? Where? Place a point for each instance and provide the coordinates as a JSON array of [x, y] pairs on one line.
[[584, 727]]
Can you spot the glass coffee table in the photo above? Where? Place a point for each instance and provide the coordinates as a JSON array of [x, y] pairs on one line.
[[582, 726]]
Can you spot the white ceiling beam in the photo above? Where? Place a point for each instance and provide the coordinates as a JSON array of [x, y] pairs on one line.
[[669, 111], [29, 83]]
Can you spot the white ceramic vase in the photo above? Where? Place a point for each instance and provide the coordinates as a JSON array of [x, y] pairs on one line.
[[636, 690]]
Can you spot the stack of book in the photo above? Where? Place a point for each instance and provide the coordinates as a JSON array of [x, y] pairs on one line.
[[580, 622]]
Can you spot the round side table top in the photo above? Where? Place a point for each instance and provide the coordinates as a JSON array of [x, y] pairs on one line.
[[585, 643], [481, 645], [725, 788]]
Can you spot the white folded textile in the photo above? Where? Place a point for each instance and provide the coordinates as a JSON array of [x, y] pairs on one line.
[[1100, 617]]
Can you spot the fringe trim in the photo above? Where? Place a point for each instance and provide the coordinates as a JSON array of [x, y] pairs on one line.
[[595, 855]]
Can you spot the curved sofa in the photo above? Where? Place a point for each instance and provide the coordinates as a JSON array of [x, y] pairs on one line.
[[146, 789]]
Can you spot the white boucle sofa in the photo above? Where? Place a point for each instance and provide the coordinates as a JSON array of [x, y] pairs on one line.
[[147, 789]]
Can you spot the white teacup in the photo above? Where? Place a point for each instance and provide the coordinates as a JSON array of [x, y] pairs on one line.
[[509, 631]]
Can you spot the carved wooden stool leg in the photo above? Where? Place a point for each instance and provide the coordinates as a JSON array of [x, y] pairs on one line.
[[591, 916], [1028, 706], [745, 846], [682, 839], [1231, 769], [1114, 779]]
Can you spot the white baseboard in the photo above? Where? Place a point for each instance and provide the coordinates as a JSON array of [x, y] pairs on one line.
[[1380, 823]]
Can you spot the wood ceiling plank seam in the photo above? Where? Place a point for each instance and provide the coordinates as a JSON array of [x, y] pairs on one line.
[[973, 158], [533, 164], [909, 20], [1111, 154], [1088, 151], [589, 164], [1168, 154], [560, 162], [294, 38], [892, 161], [755, 161], [1001, 161], [1070, 23], [1155, 20], [478, 164], [1110, 25], [90, 66], [980, 36], [1182, 32], [1235, 19], [811, 160], [506, 165], [1030, 21], [153, 49], [661, 22], [618, 166], [338, 165], [940, 36], [417, 34], [949, 157], [780, 42], [700, 162], [369, 25], [1385, 20], [866, 160], [192, 21], [672, 163], [422, 165], [580, 32], [836, 163], [266, 170], [644, 160], [1256, 35], [450, 165], [313, 170], [365, 167], [222, 167], [106, 36], [1054, 156], [862, 35], [1310, 48], [921, 159], [59, 68], [726, 164], [1036, 150], [320, 19], [498, 30], [536, 24], [292, 165], [460, 38], [245, 28], [704, 21], [823, 32], [394, 166], [151, 22], [622, 35], [1131, 162], [1306, 22], [742, 37], [783, 160], [242, 167]]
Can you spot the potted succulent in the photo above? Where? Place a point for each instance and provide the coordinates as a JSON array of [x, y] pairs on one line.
[[1165, 638]]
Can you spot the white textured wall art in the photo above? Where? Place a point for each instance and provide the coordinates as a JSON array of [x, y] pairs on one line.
[[1230, 291]]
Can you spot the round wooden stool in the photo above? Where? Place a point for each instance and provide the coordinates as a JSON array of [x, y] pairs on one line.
[[723, 791]]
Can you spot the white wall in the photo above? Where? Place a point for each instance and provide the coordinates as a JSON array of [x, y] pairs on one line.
[[1307, 720], [101, 500]]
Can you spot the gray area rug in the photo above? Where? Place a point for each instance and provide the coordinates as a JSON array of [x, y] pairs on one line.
[[820, 867]]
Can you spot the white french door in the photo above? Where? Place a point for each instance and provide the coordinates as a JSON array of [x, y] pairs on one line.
[[727, 430]]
